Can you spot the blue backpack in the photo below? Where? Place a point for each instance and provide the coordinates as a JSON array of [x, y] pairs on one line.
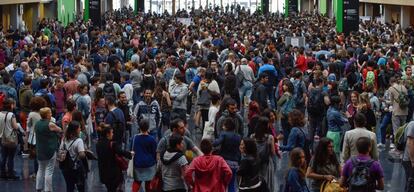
[[288, 106]]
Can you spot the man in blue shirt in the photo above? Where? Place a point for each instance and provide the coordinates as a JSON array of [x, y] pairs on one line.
[[271, 72], [115, 118]]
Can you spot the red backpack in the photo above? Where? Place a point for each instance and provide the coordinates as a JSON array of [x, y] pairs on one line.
[[3, 97]]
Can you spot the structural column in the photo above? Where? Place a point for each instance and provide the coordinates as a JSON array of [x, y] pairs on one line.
[[368, 9], [387, 13], [405, 16], [323, 8]]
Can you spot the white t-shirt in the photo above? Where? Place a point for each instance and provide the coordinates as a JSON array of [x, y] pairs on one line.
[[75, 148], [212, 112]]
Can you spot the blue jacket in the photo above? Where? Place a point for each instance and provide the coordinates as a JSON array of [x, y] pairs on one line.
[[145, 148], [296, 138], [229, 145], [294, 183], [335, 119]]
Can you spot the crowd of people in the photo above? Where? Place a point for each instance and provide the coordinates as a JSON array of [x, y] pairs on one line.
[[216, 102]]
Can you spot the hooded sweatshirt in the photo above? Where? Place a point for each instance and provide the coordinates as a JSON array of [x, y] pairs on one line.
[[172, 162], [211, 174]]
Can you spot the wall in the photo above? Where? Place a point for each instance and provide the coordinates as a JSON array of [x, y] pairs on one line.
[[66, 11], [390, 2]]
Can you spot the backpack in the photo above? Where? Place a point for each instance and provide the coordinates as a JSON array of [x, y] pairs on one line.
[[400, 138], [65, 160], [343, 85], [360, 179], [263, 150], [370, 79], [118, 128], [3, 97], [403, 100], [240, 77], [307, 146], [331, 186], [299, 100], [316, 102], [109, 89], [288, 106]]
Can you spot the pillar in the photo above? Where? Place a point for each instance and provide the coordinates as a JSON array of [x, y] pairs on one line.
[[405, 16], [86, 11], [173, 7], [368, 9], [305, 5], [387, 13], [323, 8]]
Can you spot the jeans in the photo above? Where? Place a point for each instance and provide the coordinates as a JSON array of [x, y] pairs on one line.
[[136, 96], [45, 174], [246, 90], [74, 178], [285, 128], [397, 121], [7, 157], [234, 166], [179, 113], [382, 131], [409, 173], [315, 126]]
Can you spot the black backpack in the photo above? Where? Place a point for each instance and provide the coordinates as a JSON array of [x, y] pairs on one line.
[[263, 150], [316, 102], [360, 179], [68, 163], [109, 90]]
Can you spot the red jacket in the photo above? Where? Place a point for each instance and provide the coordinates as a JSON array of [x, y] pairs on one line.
[[208, 173]]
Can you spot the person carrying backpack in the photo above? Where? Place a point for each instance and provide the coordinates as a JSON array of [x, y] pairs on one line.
[[110, 88], [298, 136], [408, 157], [285, 105], [299, 95], [265, 151], [73, 168], [316, 108], [361, 173]]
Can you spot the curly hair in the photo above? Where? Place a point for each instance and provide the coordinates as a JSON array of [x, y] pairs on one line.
[[296, 118], [36, 103]]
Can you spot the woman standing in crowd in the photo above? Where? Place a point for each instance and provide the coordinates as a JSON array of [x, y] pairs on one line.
[[336, 123], [75, 176], [266, 151], [144, 146], [67, 117], [228, 143], [366, 108], [174, 165], [47, 143], [250, 179], [163, 97], [9, 140], [298, 134], [286, 104], [295, 177], [110, 173], [324, 166], [36, 103], [352, 108]]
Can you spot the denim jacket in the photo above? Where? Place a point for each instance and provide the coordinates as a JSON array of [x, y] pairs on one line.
[[335, 119]]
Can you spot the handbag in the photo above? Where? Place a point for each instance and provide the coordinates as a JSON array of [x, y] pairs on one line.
[[130, 170], [208, 132], [9, 141], [251, 184], [171, 83], [120, 161], [155, 184]]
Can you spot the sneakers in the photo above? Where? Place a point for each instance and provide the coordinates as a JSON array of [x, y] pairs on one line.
[[392, 146], [380, 145]]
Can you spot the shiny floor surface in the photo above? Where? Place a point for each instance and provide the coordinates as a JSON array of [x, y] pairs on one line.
[[394, 176]]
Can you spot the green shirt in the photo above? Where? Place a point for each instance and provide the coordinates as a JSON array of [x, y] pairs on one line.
[[46, 141]]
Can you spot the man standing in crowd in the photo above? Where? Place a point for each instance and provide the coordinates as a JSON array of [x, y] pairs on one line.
[[399, 110], [149, 109], [351, 137]]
